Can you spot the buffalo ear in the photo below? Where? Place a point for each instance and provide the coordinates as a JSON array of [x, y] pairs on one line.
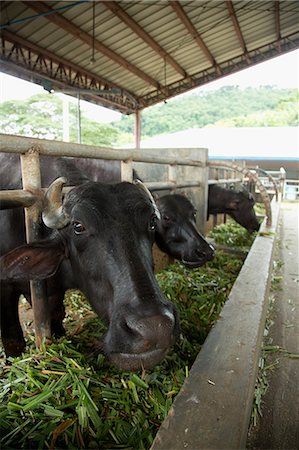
[[31, 262]]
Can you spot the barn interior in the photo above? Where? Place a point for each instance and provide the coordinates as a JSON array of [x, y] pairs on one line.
[[130, 55], [127, 56]]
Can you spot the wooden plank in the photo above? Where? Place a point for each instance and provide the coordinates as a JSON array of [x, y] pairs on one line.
[[212, 410]]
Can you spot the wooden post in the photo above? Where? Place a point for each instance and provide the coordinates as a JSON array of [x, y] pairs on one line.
[[32, 183], [198, 195], [171, 175], [126, 170]]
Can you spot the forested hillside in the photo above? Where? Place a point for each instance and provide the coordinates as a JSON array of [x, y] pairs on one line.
[[228, 106]]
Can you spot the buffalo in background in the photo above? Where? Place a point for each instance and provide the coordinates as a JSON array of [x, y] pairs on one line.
[[238, 204], [177, 234]]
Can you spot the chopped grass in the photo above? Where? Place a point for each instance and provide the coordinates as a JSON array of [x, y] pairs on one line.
[[68, 396], [268, 361], [232, 234]]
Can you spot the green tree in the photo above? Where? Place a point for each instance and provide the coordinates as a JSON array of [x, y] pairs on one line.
[[40, 116]]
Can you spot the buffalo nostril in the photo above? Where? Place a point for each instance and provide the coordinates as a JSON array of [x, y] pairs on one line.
[[205, 255], [133, 326], [152, 331]]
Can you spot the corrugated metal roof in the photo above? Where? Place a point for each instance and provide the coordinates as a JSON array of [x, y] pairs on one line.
[[144, 52]]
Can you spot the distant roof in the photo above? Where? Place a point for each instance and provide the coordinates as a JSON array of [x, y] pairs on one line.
[[128, 55], [234, 143]]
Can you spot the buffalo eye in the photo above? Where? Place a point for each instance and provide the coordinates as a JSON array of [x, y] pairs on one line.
[[165, 218], [153, 222], [78, 227]]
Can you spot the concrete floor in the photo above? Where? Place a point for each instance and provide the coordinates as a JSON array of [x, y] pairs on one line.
[[278, 428]]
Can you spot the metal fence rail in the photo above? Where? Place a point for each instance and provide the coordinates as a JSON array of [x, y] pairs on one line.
[[183, 164], [225, 181], [17, 144]]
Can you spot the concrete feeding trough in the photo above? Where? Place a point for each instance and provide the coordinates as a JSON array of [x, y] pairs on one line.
[[212, 410]]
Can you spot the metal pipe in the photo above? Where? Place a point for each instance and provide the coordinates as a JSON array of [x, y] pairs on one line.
[[18, 144], [78, 119], [270, 178], [223, 181], [65, 119], [15, 198], [137, 128], [32, 183], [157, 185]]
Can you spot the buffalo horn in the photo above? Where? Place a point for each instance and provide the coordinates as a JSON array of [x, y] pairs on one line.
[[53, 214], [146, 190]]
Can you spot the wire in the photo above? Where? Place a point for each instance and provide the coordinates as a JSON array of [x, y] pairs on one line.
[[47, 13]]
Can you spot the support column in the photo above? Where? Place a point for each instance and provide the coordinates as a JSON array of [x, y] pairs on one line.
[[137, 129]]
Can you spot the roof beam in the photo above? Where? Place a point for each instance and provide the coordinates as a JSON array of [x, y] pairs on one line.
[[124, 16], [92, 81], [194, 33], [257, 55], [14, 38], [237, 28], [68, 26], [277, 23]]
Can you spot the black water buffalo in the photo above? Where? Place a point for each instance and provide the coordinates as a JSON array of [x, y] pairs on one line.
[[238, 204], [98, 239], [176, 233]]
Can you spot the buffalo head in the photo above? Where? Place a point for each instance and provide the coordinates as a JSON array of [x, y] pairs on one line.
[[238, 204], [241, 209], [102, 237], [177, 234]]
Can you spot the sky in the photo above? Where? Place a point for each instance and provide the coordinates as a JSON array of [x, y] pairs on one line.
[[282, 71]]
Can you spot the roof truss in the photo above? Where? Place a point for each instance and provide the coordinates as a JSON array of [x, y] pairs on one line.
[[135, 81]]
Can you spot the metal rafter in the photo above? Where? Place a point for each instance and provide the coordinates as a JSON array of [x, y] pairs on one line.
[[194, 33], [237, 28], [31, 62], [124, 16], [68, 26], [234, 65], [64, 74]]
